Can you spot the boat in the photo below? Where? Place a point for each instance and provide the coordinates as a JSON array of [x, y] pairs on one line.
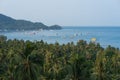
[[93, 39]]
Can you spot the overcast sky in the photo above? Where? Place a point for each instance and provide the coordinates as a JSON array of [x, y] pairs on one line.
[[64, 12]]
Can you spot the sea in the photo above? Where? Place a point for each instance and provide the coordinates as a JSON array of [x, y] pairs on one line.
[[103, 35]]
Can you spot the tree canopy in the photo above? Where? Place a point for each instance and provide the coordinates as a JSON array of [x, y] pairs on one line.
[[26, 60]]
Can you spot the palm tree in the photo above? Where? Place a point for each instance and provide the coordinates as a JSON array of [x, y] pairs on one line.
[[100, 68], [77, 68], [115, 66], [30, 64]]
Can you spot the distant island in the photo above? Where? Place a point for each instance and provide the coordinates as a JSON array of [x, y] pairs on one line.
[[8, 23]]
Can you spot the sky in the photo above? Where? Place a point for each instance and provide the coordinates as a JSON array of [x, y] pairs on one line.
[[64, 12]]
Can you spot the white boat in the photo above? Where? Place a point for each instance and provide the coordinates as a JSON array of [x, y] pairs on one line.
[[93, 39]]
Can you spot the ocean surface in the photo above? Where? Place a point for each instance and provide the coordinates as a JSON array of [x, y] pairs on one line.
[[103, 35]]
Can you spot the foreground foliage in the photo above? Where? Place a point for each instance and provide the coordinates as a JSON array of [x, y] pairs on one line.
[[26, 60]]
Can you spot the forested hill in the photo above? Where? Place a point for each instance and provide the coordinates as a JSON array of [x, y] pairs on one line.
[[8, 23]]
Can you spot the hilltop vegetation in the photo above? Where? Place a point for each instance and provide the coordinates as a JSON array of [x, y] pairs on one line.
[[8, 23], [26, 60]]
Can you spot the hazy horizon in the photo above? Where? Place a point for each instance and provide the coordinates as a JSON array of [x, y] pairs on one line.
[[64, 12]]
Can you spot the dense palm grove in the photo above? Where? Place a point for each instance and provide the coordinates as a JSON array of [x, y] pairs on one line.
[[38, 60]]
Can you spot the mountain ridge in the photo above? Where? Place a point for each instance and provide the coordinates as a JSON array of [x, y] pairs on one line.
[[9, 23]]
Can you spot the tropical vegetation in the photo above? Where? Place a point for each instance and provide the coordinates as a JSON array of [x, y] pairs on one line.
[[38, 60]]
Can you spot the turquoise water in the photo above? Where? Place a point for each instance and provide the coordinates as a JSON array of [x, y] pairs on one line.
[[104, 35]]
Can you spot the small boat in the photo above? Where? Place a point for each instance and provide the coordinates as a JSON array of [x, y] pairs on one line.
[[93, 39]]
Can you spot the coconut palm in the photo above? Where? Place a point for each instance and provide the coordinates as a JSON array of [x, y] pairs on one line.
[[29, 67], [100, 66]]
